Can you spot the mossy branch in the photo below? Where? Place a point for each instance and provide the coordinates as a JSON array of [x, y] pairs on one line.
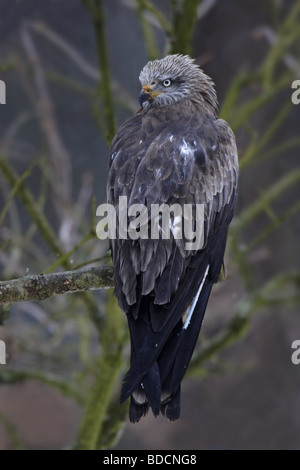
[[108, 370], [184, 20], [152, 49], [97, 11], [95, 430], [43, 286]]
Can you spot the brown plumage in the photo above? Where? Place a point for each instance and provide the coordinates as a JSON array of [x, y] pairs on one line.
[[173, 151]]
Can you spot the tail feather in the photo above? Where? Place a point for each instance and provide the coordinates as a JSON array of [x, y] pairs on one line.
[[160, 357], [153, 342], [159, 364], [188, 339], [137, 410], [171, 408], [152, 386]]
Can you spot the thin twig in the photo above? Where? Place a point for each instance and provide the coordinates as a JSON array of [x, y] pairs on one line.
[[9, 376], [123, 96], [270, 195], [271, 36], [59, 156], [97, 11], [33, 209]]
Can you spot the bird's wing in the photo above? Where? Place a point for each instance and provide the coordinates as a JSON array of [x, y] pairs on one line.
[[177, 155], [169, 157]]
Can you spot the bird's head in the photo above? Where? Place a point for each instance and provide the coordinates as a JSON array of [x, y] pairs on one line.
[[173, 79]]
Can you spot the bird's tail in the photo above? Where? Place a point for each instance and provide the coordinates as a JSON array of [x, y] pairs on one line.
[[159, 359]]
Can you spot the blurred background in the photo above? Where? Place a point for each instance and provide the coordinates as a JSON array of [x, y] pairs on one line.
[[71, 73]]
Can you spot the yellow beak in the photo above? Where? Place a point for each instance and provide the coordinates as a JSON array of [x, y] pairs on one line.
[[147, 94]]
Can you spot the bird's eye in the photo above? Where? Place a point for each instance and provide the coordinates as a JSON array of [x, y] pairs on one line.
[[167, 82]]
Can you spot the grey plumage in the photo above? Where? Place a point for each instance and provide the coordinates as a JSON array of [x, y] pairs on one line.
[[188, 81], [173, 151]]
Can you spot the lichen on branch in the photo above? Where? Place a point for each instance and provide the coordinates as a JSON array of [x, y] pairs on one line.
[[42, 286]]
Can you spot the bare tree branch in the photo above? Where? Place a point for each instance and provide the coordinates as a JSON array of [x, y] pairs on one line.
[[43, 286]]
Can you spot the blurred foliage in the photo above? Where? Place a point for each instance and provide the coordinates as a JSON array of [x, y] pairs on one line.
[[84, 354]]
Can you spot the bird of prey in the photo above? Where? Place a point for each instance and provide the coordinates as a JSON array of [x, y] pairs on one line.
[[174, 150]]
